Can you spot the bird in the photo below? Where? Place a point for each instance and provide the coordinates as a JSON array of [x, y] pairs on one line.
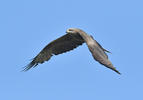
[[73, 38]]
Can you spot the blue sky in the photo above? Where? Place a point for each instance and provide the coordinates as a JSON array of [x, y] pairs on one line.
[[27, 26]]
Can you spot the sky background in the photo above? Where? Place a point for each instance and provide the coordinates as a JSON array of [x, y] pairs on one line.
[[26, 26]]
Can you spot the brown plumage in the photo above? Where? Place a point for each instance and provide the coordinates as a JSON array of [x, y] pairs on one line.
[[61, 45], [71, 40]]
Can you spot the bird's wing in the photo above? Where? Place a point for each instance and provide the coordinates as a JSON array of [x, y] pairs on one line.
[[63, 44], [98, 55], [66, 43]]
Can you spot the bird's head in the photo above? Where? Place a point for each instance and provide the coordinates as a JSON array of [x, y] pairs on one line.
[[73, 30]]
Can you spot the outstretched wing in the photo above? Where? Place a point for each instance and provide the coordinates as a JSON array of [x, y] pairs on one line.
[[61, 45]]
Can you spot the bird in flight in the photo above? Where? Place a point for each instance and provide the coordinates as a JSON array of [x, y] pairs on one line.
[[74, 38]]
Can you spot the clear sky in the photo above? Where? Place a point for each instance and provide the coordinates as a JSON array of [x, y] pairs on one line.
[[26, 26]]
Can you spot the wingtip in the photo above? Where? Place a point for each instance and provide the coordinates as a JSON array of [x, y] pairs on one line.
[[107, 51], [29, 66], [118, 72]]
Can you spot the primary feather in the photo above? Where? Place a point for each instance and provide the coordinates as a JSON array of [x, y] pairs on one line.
[[61, 45]]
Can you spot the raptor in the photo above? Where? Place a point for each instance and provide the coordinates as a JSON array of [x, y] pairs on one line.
[[74, 38]]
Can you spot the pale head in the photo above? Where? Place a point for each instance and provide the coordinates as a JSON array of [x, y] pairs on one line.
[[73, 30]]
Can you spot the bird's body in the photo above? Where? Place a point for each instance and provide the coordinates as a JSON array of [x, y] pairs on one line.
[[71, 40], [100, 56]]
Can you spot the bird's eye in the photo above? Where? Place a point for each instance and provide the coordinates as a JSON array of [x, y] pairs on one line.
[[70, 30]]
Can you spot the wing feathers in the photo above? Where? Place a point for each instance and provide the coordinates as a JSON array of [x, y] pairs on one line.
[[32, 64], [61, 45]]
